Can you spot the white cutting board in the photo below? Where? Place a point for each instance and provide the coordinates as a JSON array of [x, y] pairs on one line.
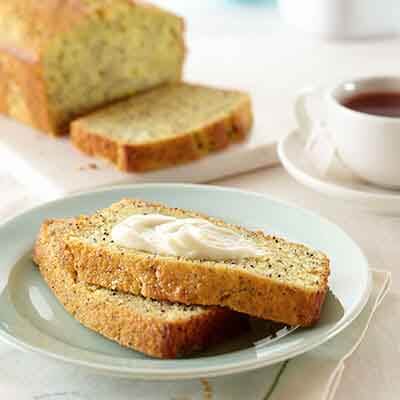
[[248, 50], [51, 167]]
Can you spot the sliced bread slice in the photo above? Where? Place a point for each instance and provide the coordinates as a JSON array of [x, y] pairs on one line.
[[287, 284], [165, 126], [159, 329]]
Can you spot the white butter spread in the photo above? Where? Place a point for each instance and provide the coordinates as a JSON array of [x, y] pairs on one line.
[[185, 237]]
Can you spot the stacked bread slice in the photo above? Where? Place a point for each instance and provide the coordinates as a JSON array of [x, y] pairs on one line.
[[167, 305]]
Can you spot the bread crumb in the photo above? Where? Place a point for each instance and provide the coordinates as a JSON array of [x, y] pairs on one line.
[[88, 166], [207, 389]]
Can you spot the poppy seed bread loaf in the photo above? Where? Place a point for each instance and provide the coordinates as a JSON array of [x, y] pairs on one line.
[[159, 329], [287, 284], [165, 126], [63, 58]]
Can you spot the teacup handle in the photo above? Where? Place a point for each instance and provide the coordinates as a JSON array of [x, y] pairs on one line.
[[307, 123], [313, 130]]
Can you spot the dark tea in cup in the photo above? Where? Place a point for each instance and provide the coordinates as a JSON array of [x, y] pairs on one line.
[[386, 104]]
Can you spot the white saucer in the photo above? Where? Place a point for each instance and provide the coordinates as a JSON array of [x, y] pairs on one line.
[[344, 186]]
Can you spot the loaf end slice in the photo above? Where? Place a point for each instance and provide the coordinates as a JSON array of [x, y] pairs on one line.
[[166, 126], [288, 284], [159, 329]]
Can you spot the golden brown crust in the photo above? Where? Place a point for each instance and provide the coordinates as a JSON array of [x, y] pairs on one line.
[[37, 23], [22, 93], [101, 146], [181, 281], [99, 310], [3, 86], [184, 147], [202, 282]]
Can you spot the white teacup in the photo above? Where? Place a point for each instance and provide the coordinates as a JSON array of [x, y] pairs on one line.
[[369, 145]]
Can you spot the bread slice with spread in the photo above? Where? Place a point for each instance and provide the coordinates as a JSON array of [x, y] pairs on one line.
[[283, 281]]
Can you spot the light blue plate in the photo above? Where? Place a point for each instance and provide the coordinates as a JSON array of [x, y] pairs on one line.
[[32, 319]]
